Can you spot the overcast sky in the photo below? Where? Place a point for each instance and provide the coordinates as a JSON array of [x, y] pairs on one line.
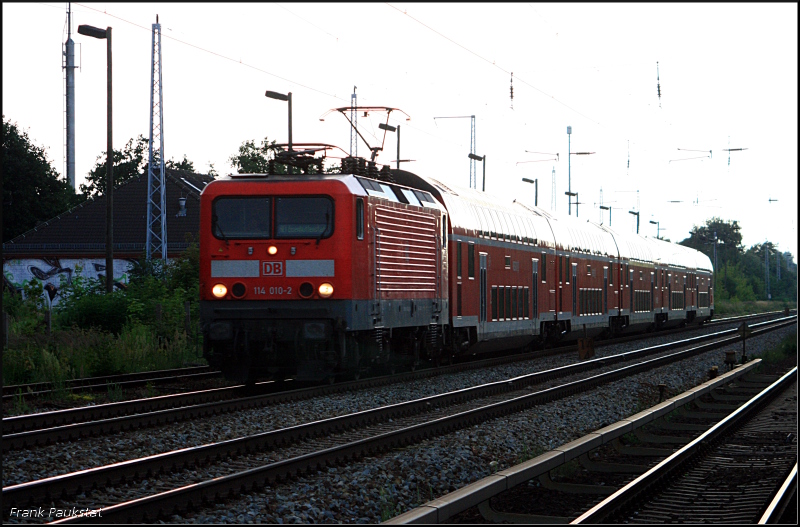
[[727, 75]]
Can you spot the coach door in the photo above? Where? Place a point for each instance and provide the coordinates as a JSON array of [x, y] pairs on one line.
[[483, 258], [574, 289], [535, 288]]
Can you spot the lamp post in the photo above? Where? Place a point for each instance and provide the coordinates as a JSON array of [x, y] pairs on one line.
[[603, 207], [482, 159], [282, 97], [95, 32], [637, 219], [536, 194], [390, 128], [658, 228]]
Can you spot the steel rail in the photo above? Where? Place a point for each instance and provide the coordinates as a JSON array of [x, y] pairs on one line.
[[90, 383], [630, 492], [166, 503], [129, 422], [782, 500]]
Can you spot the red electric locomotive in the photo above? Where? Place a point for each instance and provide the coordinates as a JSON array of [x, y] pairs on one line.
[[319, 276], [326, 276]]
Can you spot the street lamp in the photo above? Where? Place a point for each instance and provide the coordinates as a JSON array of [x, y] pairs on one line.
[[637, 219], [390, 128], [95, 32], [282, 97], [658, 228], [482, 159], [536, 195], [609, 213]]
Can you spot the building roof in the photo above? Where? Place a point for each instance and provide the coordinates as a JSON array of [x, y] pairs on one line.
[[81, 231]]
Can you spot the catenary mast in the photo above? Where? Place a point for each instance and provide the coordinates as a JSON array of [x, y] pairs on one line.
[[156, 191]]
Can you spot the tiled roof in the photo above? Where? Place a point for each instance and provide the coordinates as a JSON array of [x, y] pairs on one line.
[[82, 229]]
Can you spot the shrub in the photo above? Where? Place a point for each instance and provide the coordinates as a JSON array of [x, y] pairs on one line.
[[107, 312]]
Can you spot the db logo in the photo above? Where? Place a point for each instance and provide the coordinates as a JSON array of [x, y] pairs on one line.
[[272, 268]]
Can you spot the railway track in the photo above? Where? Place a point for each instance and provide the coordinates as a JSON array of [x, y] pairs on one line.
[[69, 424], [44, 390], [99, 384], [732, 470], [639, 471], [364, 432]]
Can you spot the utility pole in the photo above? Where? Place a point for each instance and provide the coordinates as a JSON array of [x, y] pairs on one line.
[[553, 191], [353, 120], [766, 269], [69, 67], [658, 81]]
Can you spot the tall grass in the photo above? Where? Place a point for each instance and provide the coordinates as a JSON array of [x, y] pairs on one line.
[[732, 308], [95, 334]]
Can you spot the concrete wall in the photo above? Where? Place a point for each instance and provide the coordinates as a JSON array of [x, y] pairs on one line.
[[18, 272]]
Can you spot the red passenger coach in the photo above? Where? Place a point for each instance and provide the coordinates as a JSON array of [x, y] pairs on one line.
[[319, 276]]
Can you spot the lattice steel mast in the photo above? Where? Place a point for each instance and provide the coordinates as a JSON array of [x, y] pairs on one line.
[[156, 190]]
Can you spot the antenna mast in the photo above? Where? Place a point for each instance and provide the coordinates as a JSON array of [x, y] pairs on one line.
[[156, 190], [69, 66]]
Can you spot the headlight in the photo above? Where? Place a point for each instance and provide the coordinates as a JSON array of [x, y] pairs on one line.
[[325, 290], [272, 250], [219, 290]]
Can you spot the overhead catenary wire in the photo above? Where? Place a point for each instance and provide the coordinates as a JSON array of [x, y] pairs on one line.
[[149, 30]]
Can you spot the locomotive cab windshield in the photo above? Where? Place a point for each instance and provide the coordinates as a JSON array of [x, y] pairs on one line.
[[251, 217]]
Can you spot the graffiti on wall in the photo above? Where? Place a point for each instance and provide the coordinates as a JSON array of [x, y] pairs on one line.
[[55, 272]]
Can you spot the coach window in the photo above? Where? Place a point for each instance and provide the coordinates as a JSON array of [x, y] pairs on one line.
[[501, 302], [514, 302], [508, 302], [544, 267], [508, 262], [471, 260], [360, 218], [494, 302], [458, 259], [568, 268]]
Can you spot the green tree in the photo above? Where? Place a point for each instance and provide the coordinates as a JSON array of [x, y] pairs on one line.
[[185, 164], [729, 241], [252, 159], [128, 163], [32, 189]]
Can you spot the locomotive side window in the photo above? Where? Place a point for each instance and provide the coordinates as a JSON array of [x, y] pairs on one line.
[[303, 217], [360, 219], [241, 217]]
